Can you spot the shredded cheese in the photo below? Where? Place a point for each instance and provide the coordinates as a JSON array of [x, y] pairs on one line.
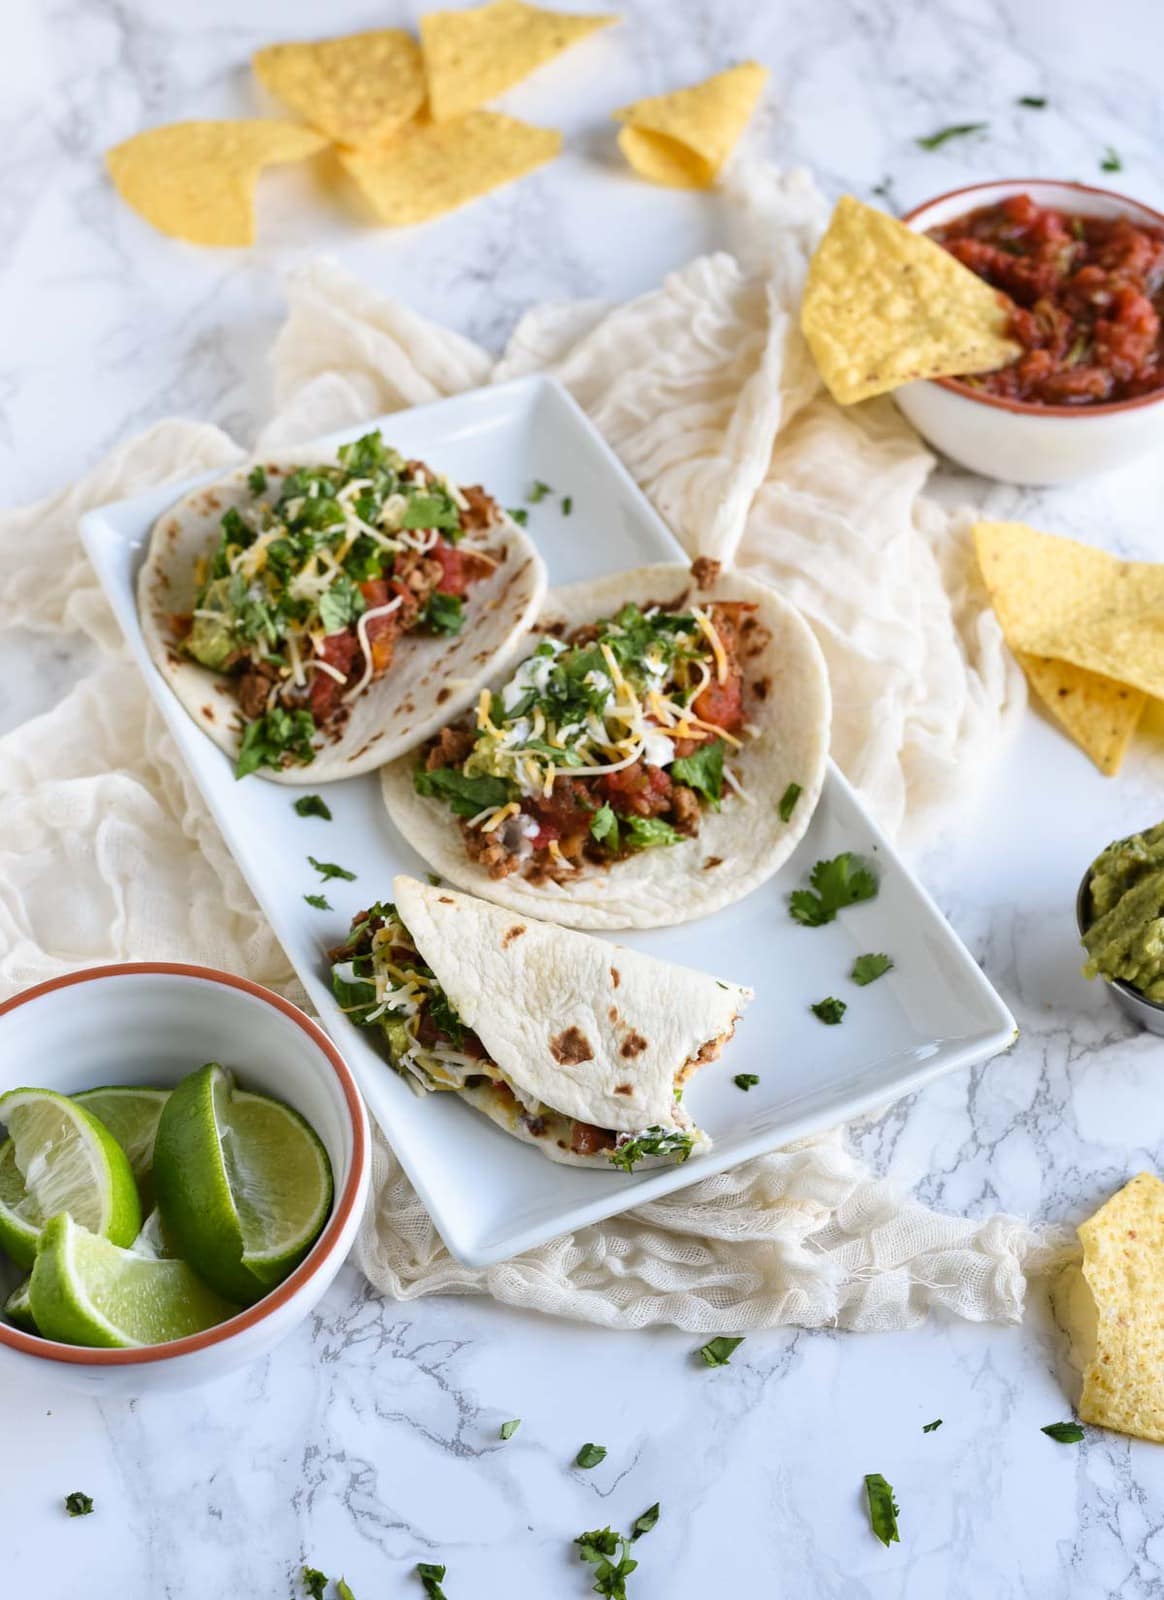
[[362, 640], [707, 628]]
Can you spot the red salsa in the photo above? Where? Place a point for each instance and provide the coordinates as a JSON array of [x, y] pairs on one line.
[[1087, 293]]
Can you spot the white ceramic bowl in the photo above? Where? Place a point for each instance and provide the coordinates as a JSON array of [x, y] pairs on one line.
[[152, 1023], [1016, 442]]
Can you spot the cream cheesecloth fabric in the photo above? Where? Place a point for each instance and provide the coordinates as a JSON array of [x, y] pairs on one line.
[[705, 389]]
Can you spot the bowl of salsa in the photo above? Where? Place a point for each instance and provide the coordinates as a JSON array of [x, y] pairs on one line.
[[1082, 273]]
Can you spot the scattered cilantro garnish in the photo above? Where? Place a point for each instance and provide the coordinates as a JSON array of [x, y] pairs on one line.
[[274, 735], [567, 504], [883, 1508], [256, 480], [538, 492], [519, 514], [844, 881], [788, 801], [508, 1429], [746, 1080], [866, 969], [433, 509], [328, 869], [431, 1577], [1111, 161], [932, 1427], [653, 1141], [885, 191], [590, 1455], [702, 770], [465, 796], [956, 130], [319, 901], [644, 833], [604, 825], [599, 1549], [314, 1582], [1036, 102], [78, 1504], [444, 613], [646, 1522], [342, 1591], [340, 605], [312, 805], [718, 1352], [434, 879], [829, 1010], [1063, 1432]]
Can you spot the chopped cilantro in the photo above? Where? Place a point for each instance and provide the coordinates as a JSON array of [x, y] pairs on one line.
[[788, 801], [256, 480], [885, 191], [830, 1010], [590, 1455], [644, 833], [600, 1548], [432, 510], [718, 1352], [319, 901], [312, 805], [431, 1577], [273, 739], [353, 997], [956, 130], [342, 1590], [567, 504], [328, 869], [444, 613], [519, 514], [1111, 161], [646, 1522], [843, 881], [538, 492], [866, 969], [340, 605], [746, 1080], [78, 1504], [508, 1429], [1063, 1432], [932, 1427], [465, 796], [604, 825], [1035, 102], [651, 1142], [314, 1582], [434, 879], [702, 770], [883, 1508]]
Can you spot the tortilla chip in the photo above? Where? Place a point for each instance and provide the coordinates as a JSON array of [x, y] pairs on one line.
[[1055, 597], [683, 139], [196, 180], [1122, 1344], [473, 56], [358, 89], [1100, 714], [434, 168], [884, 306]]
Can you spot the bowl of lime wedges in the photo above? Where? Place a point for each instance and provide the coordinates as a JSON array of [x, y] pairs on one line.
[[184, 1162]]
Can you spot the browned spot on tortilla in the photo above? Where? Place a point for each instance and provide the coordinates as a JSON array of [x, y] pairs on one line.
[[213, 503], [633, 1045], [445, 900], [208, 713], [570, 1047], [511, 934], [705, 570], [762, 688], [174, 660], [615, 976], [712, 861], [623, 1088], [442, 696], [613, 1013], [756, 638], [555, 628], [407, 707]]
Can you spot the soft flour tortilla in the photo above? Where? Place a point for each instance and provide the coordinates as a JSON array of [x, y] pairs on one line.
[[591, 1029], [738, 847], [431, 679]]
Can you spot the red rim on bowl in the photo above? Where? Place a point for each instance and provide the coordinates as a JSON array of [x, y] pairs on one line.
[[1025, 407], [48, 1349]]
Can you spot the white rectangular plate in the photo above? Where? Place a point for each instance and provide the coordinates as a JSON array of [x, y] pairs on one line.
[[490, 1196]]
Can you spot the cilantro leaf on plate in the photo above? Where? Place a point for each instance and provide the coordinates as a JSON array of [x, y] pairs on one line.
[[312, 805], [845, 880], [590, 1455], [867, 969], [1063, 1432], [319, 901], [1034, 102], [431, 1576], [956, 130], [932, 1427], [538, 492], [599, 1548], [508, 1429], [883, 1508], [646, 1522], [829, 1010], [78, 1504], [746, 1080], [342, 1590], [518, 514], [314, 1583], [328, 869], [1111, 161], [718, 1352]]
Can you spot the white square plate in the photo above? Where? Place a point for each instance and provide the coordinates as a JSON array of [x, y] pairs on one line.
[[489, 1196]]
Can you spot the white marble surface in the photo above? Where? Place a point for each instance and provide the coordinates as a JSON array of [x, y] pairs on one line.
[[370, 1440]]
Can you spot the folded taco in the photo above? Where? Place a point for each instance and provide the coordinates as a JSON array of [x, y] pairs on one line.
[[333, 613], [573, 1045], [655, 755]]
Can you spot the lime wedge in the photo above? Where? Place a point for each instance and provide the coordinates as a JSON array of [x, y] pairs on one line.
[[18, 1307], [152, 1241], [131, 1115], [243, 1184], [87, 1291], [66, 1161]]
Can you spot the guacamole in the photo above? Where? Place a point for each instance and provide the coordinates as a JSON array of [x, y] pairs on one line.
[[1124, 937]]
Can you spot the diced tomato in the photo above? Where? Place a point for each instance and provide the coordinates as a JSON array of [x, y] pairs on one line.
[[339, 650], [638, 790], [722, 703], [382, 631], [546, 831], [453, 580]]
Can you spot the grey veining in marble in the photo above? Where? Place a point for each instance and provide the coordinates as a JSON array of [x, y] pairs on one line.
[[369, 1441]]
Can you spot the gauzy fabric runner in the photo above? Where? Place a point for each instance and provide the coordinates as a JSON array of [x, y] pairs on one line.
[[705, 389]]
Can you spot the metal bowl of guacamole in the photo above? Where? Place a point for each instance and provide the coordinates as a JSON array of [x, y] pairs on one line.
[[1120, 911]]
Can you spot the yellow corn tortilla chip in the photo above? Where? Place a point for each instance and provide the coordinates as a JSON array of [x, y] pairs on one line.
[[473, 56], [1120, 1335], [358, 89], [683, 139], [1055, 597], [196, 180], [435, 167], [1100, 714], [884, 305]]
